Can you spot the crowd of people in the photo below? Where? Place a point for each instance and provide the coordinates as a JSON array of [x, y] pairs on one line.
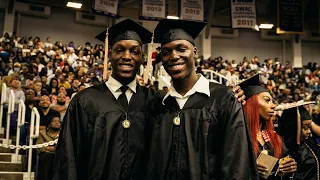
[[49, 76]]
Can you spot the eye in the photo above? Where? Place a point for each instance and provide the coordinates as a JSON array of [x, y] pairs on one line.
[[136, 52], [118, 51], [182, 49], [165, 52]]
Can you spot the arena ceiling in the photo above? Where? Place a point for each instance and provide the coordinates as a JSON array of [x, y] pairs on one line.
[[266, 10]]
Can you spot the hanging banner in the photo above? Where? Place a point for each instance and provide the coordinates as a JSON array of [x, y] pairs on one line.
[[153, 9], [107, 7], [290, 16], [243, 13], [192, 10]]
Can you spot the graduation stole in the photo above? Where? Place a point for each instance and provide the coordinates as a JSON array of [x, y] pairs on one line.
[[265, 136]]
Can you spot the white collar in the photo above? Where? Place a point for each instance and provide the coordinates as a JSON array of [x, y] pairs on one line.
[[115, 85], [201, 86]]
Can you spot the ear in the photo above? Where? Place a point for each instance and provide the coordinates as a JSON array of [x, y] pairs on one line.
[[195, 52]]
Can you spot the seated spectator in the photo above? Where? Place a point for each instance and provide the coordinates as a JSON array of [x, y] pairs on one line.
[[37, 87], [63, 82], [45, 111], [53, 87], [46, 154], [60, 106]]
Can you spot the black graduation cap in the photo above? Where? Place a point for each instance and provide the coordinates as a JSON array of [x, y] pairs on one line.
[[126, 30], [290, 122], [169, 30], [252, 86]]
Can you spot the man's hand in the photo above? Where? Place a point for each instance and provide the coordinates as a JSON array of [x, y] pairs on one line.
[[239, 94]]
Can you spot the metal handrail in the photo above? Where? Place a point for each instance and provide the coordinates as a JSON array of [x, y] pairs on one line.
[[11, 104], [3, 101], [21, 121], [218, 74], [34, 133]]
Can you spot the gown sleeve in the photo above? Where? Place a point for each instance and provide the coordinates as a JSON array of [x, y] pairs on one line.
[[237, 156], [71, 144]]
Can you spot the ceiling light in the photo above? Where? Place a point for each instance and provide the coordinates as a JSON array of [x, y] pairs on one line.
[[172, 17], [74, 5], [266, 26]]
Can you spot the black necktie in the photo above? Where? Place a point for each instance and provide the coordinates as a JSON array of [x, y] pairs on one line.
[[122, 99]]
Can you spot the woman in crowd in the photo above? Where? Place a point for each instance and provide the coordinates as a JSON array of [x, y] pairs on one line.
[[295, 128], [46, 154], [53, 87], [39, 91], [259, 110]]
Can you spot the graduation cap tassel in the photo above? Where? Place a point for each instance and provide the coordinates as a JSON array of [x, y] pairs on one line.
[[106, 57], [298, 127], [149, 62]]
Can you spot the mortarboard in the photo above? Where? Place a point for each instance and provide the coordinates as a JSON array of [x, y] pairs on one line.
[[252, 86], [169, 30], [290, 121], [126, 30]]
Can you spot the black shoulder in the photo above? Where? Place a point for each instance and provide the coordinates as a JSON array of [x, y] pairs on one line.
[[222, 92]]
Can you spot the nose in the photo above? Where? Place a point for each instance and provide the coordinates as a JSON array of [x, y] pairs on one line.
[[174, 55], [272, 106], [126, 55]]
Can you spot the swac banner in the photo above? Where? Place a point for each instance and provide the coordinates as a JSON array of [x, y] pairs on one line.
[[243, 13], [192, 10], [153, 9], [107, 7]]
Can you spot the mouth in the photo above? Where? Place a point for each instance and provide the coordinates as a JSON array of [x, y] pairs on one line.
[[271, 113], [126, 67], [176, 66]]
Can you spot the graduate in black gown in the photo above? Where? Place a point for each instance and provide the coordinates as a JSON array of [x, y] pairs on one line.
[[259, 110], [296, 132], [104, 129], [199, 129]]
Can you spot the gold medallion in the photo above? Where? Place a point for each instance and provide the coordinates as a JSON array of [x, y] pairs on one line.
[[176, 120], [126, 124], [264, 152]]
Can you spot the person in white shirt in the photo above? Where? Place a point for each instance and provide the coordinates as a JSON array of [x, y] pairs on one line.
[[198, 130]]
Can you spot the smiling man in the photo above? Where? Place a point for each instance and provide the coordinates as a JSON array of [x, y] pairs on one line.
[[199, 129], [103, 135]]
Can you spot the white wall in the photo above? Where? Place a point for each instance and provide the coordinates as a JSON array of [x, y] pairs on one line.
[[310, 52], [60, 26], [247, 44]]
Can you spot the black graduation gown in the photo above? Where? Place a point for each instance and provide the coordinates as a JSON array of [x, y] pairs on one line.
[[94, 145], [212, 141], [307, 165]]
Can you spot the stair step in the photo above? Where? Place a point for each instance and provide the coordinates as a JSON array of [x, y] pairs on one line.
[[6, 150], [6, 157], [14, 175], [9, 166]]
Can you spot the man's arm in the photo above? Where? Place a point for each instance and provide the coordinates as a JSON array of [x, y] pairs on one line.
[[237, 156], [315, 128], [70, 160]]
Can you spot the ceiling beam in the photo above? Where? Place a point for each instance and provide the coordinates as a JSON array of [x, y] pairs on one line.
[[209, 17]]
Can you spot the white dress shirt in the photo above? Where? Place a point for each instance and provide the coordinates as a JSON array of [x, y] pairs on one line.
[[201, 86], [115, 86]]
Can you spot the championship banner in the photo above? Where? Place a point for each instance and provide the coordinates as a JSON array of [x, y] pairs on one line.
[[107, 7], [192, 10], [153, 9], [243, 13], [290, 16]]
